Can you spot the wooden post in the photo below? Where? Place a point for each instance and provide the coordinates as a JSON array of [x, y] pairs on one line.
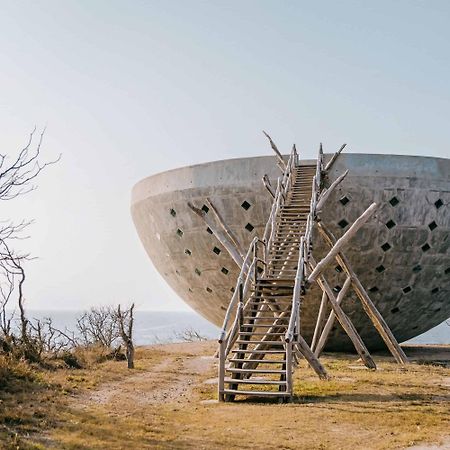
[[333, 158], [331, 318], [313, 361], [371, 310], [320, 319], [289, 368], [327, 192], [359, 222], [345, 321], [220, 235], [221, 383], [268, 186], [281, 162], [225, 228]]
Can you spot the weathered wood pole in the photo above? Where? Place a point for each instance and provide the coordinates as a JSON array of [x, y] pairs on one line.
[[370, 309], [359, 222], [345, 321], [333, 158], [220, 235], [331, 318], [281, 162]]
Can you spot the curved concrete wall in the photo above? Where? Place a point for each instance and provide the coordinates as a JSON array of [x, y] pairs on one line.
[[402, 256]]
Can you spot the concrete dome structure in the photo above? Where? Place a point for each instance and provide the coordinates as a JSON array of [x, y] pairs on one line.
[[401, 256]]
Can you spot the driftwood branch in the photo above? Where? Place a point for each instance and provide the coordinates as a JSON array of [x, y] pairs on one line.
[[225, 227], [369, 307], [220, 235], [331, 318], [281, 162], [268, 186], [359, 222], [327, 192], [345, 321], [333, 158]]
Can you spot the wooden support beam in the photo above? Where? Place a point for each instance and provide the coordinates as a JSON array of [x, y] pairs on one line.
[[313, 361], [359, 222], [277, 152], [370, 309], [333, 158], [225, 227], [331, 318], [344, 320], [268, 186], [327, 192], [220, 235], [320, 319]]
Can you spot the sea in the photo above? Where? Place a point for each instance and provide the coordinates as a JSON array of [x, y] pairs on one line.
[[152, 327]]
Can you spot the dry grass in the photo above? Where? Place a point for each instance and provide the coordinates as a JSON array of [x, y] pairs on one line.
[[165, 403]]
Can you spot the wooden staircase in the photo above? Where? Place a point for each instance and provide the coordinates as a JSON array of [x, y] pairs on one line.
[[257, 364]]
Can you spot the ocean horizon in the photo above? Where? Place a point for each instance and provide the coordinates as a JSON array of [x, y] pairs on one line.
[[153, 327]]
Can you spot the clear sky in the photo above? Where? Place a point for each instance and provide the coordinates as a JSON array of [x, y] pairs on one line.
[[130, 88]]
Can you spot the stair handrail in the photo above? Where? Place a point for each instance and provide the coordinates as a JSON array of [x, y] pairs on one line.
[[304, 253], [283, 185], [240, 280]]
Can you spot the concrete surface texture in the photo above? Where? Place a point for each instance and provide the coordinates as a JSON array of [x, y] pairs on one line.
[[402, 255]]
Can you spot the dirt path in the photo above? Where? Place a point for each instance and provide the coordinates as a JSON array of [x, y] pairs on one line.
[[169, 381]]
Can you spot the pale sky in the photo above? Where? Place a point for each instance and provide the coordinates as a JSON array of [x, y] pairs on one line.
[[131, 88]]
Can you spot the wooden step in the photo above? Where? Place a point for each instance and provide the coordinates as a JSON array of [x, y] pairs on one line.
[[250, 381], [242, 341], [235, 370], [257, 393], [258, 351], [260, 361]]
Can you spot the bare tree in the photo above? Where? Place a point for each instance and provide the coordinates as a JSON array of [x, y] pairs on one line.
[[16, 178], [125, 320], [98, 326]]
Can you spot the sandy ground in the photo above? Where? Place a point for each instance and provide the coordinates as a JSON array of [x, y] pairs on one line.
[[171, 389]]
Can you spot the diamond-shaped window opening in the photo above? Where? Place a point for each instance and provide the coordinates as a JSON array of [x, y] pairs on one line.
[[205, 208], [180, 233], [187, 252], [386, 246], [407, 289], [217, 250], [438, 203], [224, 270], [417, 268], [435, 290], [390, 224], [432, 226], [380, 268], [338, 269], [373, 289], [209, 230], [447, 271], [197, 271], [344, 200], [246, 205], [173, 212], [249, 227], [343, 223], [425, 247], [394, 201], [260, 270], [209, 290], [395, 310], [337, 289]]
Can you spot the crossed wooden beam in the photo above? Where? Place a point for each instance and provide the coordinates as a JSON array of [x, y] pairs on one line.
[[315, 275]]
